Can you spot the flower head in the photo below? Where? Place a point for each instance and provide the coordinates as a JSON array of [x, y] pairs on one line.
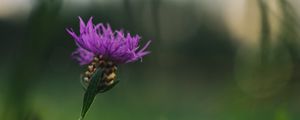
[[101, 40]]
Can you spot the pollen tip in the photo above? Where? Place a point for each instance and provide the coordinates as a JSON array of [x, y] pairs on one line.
[[111, 76], [90, 67], [110, 82], [86, 79], [87, 73], [115, 68], [96, 59], [110, 63]]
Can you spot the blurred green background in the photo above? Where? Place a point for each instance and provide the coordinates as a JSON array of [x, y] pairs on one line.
[[210, 60]]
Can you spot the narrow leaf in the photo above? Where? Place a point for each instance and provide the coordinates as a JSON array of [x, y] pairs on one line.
[[91, 92]]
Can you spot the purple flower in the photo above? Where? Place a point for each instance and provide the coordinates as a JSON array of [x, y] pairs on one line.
[[100, 40]]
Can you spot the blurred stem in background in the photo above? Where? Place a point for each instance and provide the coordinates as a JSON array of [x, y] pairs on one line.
[[29, 63], [289, 29], [265, 31], [158, 44], [264, 72], [128, 12], [155, 13]]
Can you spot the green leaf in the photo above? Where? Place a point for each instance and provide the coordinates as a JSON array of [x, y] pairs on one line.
[[91, 92]]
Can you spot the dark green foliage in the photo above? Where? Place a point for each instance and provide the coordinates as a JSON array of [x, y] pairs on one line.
[[95, 86], [91, 92]]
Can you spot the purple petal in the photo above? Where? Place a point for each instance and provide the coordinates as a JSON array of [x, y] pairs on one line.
[[82, 25], [83, 56], [100, 39]]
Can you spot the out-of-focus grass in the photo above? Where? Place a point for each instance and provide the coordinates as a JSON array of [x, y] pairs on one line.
[[193, 79], [28, 64], [266, 72]]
